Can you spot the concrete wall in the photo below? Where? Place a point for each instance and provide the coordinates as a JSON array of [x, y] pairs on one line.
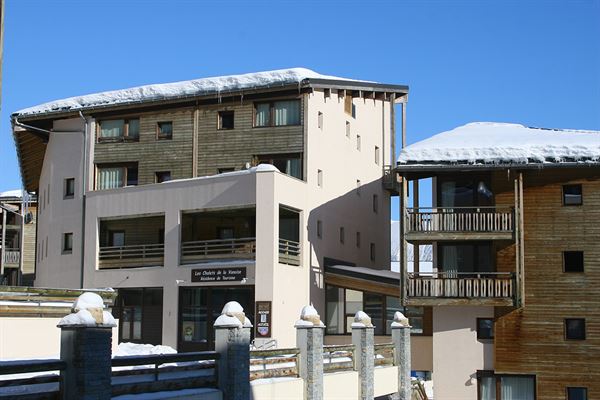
[[386, 380], [457, 353], [282, 388], [25, 337], [339, 385]]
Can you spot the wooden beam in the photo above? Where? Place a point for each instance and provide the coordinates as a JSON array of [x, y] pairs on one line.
[[521, 223], [416, 252]]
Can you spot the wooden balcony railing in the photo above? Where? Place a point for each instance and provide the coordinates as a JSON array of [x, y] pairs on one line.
[[424, 222], [12, 256], [137, 255], [218, 248], [459, 285], [289, 252]]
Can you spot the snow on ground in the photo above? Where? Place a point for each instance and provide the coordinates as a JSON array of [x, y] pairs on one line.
[[493, 142], [136, 349], [164, 91]]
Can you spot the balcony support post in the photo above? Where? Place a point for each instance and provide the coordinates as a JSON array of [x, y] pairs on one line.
[[416, 255], [521, 222], [3, 244], [403, 260]]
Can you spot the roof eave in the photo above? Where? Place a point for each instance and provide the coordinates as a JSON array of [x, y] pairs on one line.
[[445, 167]]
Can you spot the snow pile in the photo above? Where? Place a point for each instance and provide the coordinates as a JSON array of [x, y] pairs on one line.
[[88, 311], [362, 320], [399, 320], [183, 89], [491, 142], [309, 317], [233, 316], [137, 349]]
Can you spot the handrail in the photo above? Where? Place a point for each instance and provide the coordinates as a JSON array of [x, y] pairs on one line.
[[490, 219], [158, 359], [453, 274], [27, 366], [417, 209], [462, 285], [200, 248], [153, 250]]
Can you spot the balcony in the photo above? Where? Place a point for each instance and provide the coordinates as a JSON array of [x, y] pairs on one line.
[[240, 248], [461, 288], [289, 252], [141, 255], [459, 223]]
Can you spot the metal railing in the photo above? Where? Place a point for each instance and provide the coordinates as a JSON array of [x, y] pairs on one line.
[[384, 354], [132, 251], [46, 384], [274, 363], [12, 256], [198, 249], [289, 252], [338, 358], [461, 285], [460, 219]]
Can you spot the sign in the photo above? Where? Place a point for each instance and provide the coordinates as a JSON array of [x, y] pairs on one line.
[[223, 274], [263, 319]]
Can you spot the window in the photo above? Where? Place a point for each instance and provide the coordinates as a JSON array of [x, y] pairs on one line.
[[358, 142], [225, 232], [375, 203], [357, 239], [348, 129], [277, 113], [290, 164], [485, 328], [506, 387], [572, 195], [162, 176], [226, 120], [319, 229], [116, 175], [116, 238], [67, 243], [320, 120], [575, 328], [372, 251], [320, 178], [111, 130], [573, 261], [576, 393], [69, 188], [347, 103], [377, 155], [326, 94], [224, 170], [342, 235], [164, 130]]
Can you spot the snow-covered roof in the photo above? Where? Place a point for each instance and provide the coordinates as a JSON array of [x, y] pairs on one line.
[[184, 89], [18, 193], [481, 143]]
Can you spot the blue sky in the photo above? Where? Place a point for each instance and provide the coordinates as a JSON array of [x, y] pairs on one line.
[[530, 62]]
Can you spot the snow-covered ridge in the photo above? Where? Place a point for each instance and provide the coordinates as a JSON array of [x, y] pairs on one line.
[[492, 142], [174, 90]]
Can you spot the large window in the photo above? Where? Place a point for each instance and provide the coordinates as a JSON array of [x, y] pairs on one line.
[[290, 164], [140, 315], [111, 176], [465, 192], [118, 130], [277, 113], [465, 257], [505, 387]]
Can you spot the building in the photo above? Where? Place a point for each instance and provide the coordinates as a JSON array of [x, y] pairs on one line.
[[514, 227], [17, 238], [161, 192]]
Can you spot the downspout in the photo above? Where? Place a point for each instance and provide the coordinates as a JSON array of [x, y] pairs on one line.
[[83, 186]]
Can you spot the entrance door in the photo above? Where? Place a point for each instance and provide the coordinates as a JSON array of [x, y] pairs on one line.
[[199, 307]]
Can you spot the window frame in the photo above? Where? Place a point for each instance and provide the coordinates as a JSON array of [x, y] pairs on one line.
[[585, 389], [566, 330], [162, 136], [564, 198], [564, 260], [160, 173], [271, 104], [66, 193], [126, 166], [65, 249], [220, 120], [117, 139], [498, 384], [480, 336]]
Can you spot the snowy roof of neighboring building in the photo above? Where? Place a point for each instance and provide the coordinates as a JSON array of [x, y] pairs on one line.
[[220, 85], [501, 144], [18, 193], [379, 275]]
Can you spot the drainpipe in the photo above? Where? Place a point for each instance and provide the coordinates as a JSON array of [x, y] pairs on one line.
[[83, 186]]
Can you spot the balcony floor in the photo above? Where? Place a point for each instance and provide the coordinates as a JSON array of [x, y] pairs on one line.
[[456, 236], [448, 301]]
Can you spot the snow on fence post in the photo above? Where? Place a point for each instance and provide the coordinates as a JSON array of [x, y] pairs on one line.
[[364, 356], [232, 342], [309, 339], [85, 346], [401, 340]]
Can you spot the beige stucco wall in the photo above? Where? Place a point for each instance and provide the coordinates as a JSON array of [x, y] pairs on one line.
[[340, 385], [25, 337], [457, 353], [280, 389], [386, 380]]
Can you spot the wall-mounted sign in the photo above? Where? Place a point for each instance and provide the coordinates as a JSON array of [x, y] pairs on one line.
[[222, 274], [263, 319]]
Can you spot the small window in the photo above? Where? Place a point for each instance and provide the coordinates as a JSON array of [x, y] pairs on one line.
[[573, 261], [357, 239], [319, 229], [348, 103], [348, 129], [375, 203], [485, 328], [162, 176], [320, 178], [226, 120], [577, 393], [164, 130], [67, 243], [224, 170], [326, 94], [342, 235], [358, 187], [376, 155], [320, 120], [572, 195], [358, 142], [69, 188], [372, 251], [575, 328]]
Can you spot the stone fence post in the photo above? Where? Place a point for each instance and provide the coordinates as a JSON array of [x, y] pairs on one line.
[[364, 341], [309, 339], [401, 340], [232, 342], [85, 346]]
